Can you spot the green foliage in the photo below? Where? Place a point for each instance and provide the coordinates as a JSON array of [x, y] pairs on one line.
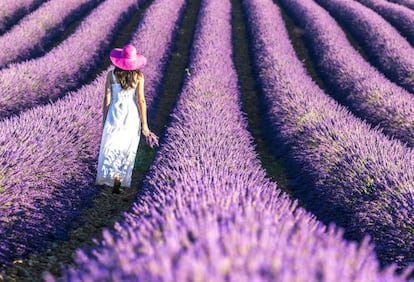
[[369, 186]]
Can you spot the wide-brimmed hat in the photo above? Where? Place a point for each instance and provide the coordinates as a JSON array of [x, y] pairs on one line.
[[127, 58]]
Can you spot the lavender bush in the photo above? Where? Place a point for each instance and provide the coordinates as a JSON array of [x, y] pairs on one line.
[[49, 153], [346, 172], [66, 66], [399, 16], [12, 11], [36, 31], [389, 51], [354, 81], [207, 212], [407, 3]]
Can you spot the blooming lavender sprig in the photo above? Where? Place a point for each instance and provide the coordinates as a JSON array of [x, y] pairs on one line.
[[13, 11], [49, 153], [152, 140], [389, 51], [36, 31], [346, 171], [354, 82], [207, 212], [401, 17], [66, 66]]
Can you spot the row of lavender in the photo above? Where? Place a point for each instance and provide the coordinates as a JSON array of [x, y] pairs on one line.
[[12, 11], [407, 3], [354, 82], [36, 31], [49, 153], [207, 214], [66, 66], [390, 51], [399, 16], [364, 180]]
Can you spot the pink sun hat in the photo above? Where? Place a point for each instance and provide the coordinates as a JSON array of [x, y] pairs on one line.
[[127, 58]]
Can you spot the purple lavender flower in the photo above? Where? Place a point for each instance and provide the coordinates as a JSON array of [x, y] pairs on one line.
[[152, 140], [345, 171], [399, 16], [30, 36], [354, 82], [207, 212], [407, 3], [49, 153], [66, 66], [389, 51], [12, 11]]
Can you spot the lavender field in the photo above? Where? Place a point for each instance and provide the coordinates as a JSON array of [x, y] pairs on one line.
[[286, 141]]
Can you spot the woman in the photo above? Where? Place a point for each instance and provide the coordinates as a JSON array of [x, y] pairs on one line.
[[124, 117]]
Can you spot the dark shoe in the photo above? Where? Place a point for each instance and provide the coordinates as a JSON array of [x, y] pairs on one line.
[[117, 186]]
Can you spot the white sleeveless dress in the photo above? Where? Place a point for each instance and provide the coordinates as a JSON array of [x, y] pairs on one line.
[[120, 137]]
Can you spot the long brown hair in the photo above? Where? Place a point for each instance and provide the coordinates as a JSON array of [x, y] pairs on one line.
[[128, 78]]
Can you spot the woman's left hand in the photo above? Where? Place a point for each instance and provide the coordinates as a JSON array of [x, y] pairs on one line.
[[145, 130]]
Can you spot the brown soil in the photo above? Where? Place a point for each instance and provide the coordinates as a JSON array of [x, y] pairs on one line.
[[251, 104]]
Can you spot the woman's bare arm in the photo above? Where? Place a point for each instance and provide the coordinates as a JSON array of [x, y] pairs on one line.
[[107, 98], [142, 104]]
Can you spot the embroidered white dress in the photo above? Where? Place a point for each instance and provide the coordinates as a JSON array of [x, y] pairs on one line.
[[120, 137]]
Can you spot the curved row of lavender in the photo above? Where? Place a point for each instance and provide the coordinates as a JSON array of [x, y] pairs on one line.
[[346, 171], [207, 211], [34, 32], [401, 17], [406, 3], [354, 82], [67, 66], [49, 153], [389, 51], [12, 11]]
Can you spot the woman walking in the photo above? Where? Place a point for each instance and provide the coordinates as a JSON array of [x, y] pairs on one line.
[[124, 117]]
